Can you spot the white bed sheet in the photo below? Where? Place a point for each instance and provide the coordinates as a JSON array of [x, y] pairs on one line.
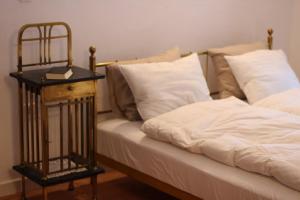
[[123, 141]]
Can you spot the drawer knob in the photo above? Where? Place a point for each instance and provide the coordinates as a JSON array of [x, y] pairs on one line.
[[70, 88]]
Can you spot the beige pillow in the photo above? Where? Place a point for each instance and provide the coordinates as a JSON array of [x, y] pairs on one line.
[[121, 97], [227, 84]]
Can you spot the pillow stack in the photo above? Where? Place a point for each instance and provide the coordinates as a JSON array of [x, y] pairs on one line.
[[121, 97], [145, 88], [263, 73], [227, 84], [162, 87], [152, 86]]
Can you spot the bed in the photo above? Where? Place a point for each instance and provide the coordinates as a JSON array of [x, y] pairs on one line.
[[124, 147]]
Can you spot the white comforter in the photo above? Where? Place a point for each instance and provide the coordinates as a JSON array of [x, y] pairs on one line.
[[232, 132], [288, 101]]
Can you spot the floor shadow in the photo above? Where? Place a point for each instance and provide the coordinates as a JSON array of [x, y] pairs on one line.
[[119, 189]]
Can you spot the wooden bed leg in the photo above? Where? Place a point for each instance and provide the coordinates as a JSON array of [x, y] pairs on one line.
[[94, 187], [23, 194], [71, 186], [45, 193]]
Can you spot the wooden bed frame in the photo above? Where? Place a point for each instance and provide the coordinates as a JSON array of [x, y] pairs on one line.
[[140, 176]]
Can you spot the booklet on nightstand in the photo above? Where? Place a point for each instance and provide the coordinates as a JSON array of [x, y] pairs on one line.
[[59, 73]]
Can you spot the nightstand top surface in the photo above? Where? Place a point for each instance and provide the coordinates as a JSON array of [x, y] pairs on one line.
[[36, 78]]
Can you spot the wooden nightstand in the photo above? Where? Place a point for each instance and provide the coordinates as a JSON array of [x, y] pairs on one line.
[[66, 152]]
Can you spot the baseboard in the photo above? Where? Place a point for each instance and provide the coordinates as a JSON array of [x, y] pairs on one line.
[[10, 187], [13, 186]]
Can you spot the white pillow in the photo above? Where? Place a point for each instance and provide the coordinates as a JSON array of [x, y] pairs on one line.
[[162, 87], [262, 73]]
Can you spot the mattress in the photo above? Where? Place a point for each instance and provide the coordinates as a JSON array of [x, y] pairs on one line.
[[123, 141]]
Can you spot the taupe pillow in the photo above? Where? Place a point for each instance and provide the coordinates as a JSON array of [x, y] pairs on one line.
[[121, 97], [227, 84]]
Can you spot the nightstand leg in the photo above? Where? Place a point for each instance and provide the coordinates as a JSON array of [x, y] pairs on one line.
[[23, 195], [45, 193], [94, 186], [71, 186]]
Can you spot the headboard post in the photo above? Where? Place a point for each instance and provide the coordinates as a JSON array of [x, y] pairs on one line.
[[92, 59], [270, 38]]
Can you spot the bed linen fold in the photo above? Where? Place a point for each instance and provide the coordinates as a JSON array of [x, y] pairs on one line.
[[232, 132], [287, 101]]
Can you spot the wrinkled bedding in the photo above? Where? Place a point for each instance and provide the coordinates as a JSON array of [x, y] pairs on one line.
[[232, 132], [287, 101]]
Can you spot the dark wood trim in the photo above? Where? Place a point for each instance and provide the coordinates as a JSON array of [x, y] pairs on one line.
[[162, 186]]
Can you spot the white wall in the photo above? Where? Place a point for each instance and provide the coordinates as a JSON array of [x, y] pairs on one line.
[[294, 48], [127, 29]]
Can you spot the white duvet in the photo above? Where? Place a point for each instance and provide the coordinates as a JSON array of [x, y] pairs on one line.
[[288, 101], [232, 132]]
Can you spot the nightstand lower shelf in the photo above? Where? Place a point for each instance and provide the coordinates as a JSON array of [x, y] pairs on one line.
[[36, 177]]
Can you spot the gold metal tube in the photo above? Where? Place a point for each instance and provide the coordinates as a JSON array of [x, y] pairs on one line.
[[21, 122], [70, 134], [37, 129], [104, 112], [94, 187], [91, 125], [94, 130], [45, 63], [87, 128], [61, 132], [45, 42], [44, 136], [49, 43], [82, 127], [76, 127], [40, 44], [63, 103], [32, 126], [43, 38], [46, 142], [69, 38], [27, 124]]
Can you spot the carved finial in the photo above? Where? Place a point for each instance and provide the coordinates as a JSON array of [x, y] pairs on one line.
[[92, 59], [92, 50], [270, 38], [270, 32]]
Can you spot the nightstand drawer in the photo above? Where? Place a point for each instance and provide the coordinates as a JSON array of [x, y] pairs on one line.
[[69, 91]]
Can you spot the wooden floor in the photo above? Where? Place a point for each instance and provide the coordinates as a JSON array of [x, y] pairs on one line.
[[111, 186]]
